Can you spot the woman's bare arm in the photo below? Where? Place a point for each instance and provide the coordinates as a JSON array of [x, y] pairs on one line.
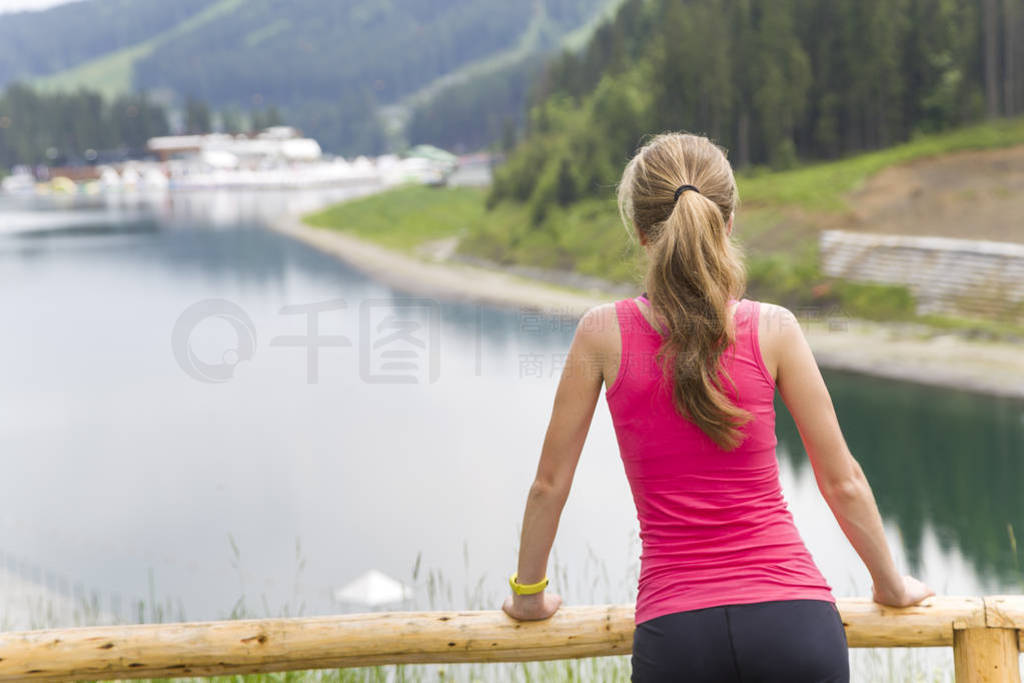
[[839, 476], [573, 410]]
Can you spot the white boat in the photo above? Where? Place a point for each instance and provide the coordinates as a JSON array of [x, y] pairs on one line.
[[19, 182]]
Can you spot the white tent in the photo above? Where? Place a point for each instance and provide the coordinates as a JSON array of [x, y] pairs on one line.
[[373, 588], [219, 158]]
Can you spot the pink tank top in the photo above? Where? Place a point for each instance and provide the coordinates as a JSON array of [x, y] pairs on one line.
[[714, 526]]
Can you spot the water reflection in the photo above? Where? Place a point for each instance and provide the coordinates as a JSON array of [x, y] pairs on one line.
[[941, 458], [125, 477]]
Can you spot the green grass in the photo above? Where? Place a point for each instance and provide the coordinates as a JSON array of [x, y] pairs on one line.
[[975, 327], [796, 281], [822, 186], [111, 74], [405, 217], [589, 238]]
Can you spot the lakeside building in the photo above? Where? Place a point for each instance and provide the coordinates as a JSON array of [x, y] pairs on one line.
[[278, 144], [278, 157]]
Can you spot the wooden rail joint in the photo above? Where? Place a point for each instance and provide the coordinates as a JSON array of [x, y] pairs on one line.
[[990, 652]]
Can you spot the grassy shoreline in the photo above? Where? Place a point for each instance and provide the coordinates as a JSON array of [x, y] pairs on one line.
[[783, 208]]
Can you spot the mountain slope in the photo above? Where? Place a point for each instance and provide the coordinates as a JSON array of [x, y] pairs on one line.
[[113, 73], [327, 65], [39, 43], [484, 102]]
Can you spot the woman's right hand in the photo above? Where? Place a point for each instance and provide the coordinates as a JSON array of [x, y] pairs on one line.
[[910, 593]]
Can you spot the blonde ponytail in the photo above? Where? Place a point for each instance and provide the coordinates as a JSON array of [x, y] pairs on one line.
[[693, 270]]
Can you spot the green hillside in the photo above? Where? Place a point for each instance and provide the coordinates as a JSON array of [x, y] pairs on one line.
[[112, 74], [330, 67], [33, 44]]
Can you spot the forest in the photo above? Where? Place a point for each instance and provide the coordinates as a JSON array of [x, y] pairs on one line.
[[774, 81], [73, 128], [479, 112], [83, 127]]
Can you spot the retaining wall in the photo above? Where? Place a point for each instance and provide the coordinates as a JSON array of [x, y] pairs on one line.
[[951, 276]]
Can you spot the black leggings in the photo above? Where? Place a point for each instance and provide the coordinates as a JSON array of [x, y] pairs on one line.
[[783, 640]]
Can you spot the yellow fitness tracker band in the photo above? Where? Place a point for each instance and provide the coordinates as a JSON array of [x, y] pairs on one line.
[[527, 589]]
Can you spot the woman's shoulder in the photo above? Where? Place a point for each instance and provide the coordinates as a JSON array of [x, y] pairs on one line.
[[600, 322], [771, 316], [601, 328], [778, 329]]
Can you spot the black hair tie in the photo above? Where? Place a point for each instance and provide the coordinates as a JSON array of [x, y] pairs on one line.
[[683, 188]]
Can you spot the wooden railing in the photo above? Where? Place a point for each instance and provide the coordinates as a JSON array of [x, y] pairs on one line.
[[985, 634]]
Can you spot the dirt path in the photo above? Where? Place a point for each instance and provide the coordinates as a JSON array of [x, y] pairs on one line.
[[971, 195], [427, 277], [968, 195]]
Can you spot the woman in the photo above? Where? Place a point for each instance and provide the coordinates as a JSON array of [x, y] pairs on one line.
[[727, 589]]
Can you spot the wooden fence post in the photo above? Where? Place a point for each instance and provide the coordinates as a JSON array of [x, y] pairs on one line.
[[991, 653], [986, 655]]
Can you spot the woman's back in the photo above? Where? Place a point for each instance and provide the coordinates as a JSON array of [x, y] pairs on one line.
[[728, 591], [714, 525]]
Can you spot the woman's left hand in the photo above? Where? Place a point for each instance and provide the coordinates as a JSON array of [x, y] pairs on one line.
[[532, 607]]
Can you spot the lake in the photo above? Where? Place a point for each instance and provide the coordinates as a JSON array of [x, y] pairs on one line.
[[202, 416]]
